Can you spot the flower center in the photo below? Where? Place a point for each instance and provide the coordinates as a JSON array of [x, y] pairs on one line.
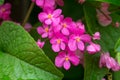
[[64, 25], [3, 9], [46, 29], [78, 39], [49, 16], [58, 41], [66, 58]]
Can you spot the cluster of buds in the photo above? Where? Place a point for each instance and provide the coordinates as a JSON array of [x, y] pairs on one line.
[[66, 36]]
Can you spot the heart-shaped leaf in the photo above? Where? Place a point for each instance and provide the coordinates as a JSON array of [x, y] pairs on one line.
[[21, 58]]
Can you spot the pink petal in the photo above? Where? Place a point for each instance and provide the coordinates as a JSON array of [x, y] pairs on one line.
[[40, 30], [72, 45], [53, 41], [65, 31], [57, 28], [57, 12], [86, 38], [42, 16], [44, 35], [96, 36], [68, 19], [66, 65], [62, 46], [56, 47], [81, 45], [48, 21], [59, 61], [40, 3], [56, 21], [49, 3], [74, 59]]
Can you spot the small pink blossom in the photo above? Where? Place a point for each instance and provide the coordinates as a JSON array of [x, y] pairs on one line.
[[96, 36], [65, 59], [58, 42], [109, 62], [45, 3], [45, 31], [93, 48], [50, 17], [77, 41], [5, 11], [65, 25], [40, 44], [28, 27]]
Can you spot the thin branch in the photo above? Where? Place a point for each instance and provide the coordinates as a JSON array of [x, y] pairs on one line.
[[28, 14]]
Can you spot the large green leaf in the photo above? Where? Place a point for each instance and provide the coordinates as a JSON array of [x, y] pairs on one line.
[[21, 58], [1, 2], [115, 2]]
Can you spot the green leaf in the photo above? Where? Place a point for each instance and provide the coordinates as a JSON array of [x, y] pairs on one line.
[[1, 2], [21, 58], [109, 34], [92, 70], [115, 2]]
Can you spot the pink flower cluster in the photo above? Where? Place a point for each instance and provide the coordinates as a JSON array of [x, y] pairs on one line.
[[103, 15], [109, 62], [66, 36], [5, 11]]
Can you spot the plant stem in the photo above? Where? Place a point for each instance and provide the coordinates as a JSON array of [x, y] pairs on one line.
[[28, 14]]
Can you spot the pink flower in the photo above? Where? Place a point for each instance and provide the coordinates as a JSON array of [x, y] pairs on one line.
[[5, 11], [58, 42], [45, 3], [64, 59], [109, 62], [77, 41], [96, 36], [50, 17], [65, 25], [40, 44], [93, 48], [45, 31], [28, 27]]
